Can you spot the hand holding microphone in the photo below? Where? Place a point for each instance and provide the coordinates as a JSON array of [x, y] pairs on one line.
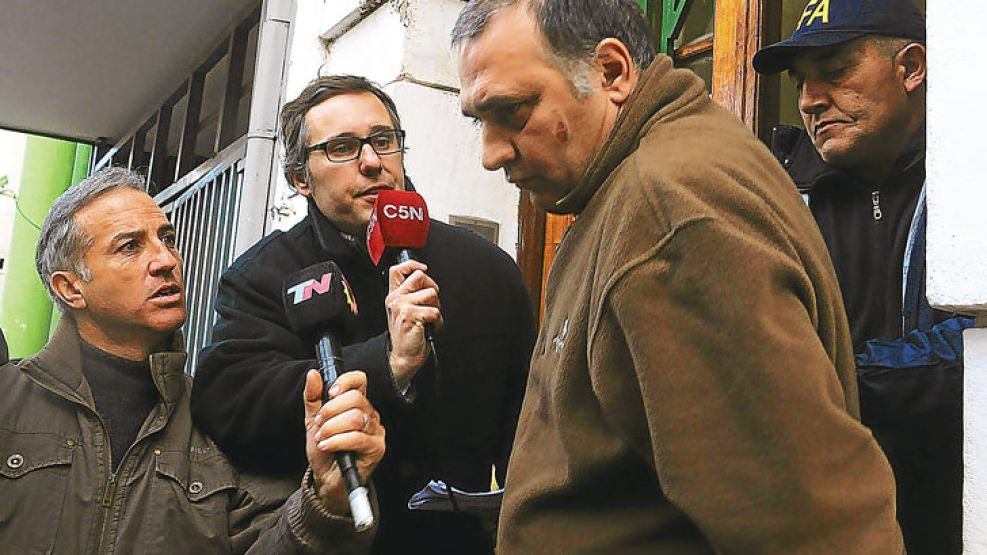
[[400, 221], [346, 423], [412, 309], [318, 302]]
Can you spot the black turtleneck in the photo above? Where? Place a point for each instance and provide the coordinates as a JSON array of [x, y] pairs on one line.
[[124, 393]]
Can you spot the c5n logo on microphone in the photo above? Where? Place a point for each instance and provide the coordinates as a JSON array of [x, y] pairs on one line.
[[403, 212], [303, 291]]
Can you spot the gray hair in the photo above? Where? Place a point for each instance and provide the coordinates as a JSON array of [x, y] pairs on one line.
[[890, 46], [63, 244], [572, 29], [294, 131]]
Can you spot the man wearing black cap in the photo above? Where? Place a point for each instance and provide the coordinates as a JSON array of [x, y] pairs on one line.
[[860, 70]]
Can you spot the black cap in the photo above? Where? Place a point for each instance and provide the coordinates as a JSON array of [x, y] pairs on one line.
[[829, 22]]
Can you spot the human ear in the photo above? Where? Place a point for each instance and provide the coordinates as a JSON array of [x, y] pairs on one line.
[[67, 287], [911, 64], [300, 182], [617, 67]]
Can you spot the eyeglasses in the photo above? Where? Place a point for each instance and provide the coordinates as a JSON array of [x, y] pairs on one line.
[[345, 149]]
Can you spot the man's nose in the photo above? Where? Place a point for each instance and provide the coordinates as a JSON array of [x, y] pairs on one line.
[[370, 162], [498, 150], [814, 96], [164, 259]]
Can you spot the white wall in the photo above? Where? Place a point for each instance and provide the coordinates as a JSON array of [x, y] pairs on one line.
[[957, 232], [11, 164], [957, 181], [404, 46], [975, 449]]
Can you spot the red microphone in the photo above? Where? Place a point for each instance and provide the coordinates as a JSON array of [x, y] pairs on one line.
[[399, 220]]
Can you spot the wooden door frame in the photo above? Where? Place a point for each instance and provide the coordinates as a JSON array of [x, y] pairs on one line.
[[740, 28], [531, 247]]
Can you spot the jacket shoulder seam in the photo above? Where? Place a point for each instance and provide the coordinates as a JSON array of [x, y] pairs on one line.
[[621, 272]]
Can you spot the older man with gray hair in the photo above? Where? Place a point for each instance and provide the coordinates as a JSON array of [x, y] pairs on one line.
[[692, 389], [97, 449], [860, 71]]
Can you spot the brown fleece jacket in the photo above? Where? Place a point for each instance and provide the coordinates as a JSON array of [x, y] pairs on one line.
[[693, 388]]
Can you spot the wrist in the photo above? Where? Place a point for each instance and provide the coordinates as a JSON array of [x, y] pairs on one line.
[[331, 493], [404, 367]]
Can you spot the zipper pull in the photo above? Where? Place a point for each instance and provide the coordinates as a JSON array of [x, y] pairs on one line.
[[108, 491], [875, 198]]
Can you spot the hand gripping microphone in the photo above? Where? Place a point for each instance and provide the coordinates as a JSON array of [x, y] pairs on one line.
[[399, 221], [317, 301]]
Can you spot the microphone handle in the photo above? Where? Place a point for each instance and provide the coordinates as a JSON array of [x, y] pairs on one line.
[[330, 356]]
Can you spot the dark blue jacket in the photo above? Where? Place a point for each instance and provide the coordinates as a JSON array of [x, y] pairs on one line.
[[909, 356]]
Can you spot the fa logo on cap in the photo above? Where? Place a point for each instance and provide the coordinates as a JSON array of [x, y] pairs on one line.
[[815, 9]]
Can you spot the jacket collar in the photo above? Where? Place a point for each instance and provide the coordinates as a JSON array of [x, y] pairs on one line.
[[662, 94], [59, 365], [333, 242], [793, 148]]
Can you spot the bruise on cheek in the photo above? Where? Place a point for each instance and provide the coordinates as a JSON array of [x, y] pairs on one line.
[[561, 132]]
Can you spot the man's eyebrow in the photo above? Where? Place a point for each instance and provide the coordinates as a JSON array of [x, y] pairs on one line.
[[819, 57], [166, 227], [349, 134], [496, 101], [344, 135], [135, 234], [841, 54]]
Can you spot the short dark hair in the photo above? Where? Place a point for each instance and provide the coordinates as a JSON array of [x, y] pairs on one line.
[[572, 28], [294, 132]]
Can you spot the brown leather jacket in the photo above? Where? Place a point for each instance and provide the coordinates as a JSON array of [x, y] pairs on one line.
[[174, 491]]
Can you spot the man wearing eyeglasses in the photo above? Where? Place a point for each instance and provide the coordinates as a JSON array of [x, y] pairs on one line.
[[453, 419]]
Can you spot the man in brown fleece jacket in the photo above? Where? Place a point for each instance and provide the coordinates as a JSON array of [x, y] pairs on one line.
[[692, 389]]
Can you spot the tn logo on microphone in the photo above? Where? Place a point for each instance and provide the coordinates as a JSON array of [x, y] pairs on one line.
[[303, 291]]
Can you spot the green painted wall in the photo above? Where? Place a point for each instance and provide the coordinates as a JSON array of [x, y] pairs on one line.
[[80, 169], [25, 309]]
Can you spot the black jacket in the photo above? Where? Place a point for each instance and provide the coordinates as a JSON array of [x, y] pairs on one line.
[[909, 355], [248, 382], [866, 228]]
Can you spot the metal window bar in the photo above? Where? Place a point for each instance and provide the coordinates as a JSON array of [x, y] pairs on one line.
[[204, 207]]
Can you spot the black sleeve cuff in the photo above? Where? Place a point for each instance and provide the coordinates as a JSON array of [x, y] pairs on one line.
[[371, 357]]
